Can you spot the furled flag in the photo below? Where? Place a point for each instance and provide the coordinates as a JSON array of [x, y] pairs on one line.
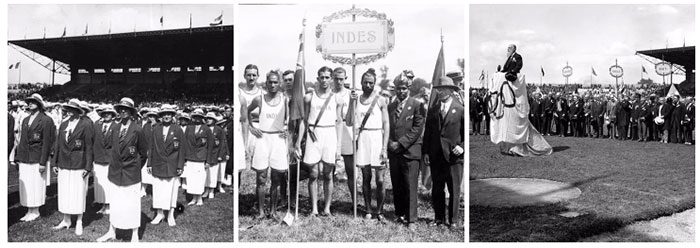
[[64, 32], [296, 110], [542, 70], [161, 21], [438, 72], [86, 29], [593, 72], [482, 76], [218, 20]]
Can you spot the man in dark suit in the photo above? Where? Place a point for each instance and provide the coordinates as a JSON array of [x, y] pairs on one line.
[[406, 120], [35, 142], [536, 111], [475, 113], [129, 153], [546, 115], [597, 116], [560, 108], [443, 150], [689, 120], [623, 117], [676, 134], [513, 64], [485, 112]]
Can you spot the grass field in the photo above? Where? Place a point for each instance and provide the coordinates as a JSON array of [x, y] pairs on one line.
[[341, 227], [622, 182], [212, 222]]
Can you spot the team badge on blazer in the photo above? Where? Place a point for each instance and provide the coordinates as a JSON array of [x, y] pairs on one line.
[[216, 142], [203, 141], [36, 137], [78, 144], [132, 150]]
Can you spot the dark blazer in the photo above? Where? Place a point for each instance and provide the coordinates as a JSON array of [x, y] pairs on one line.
[[75, 152], [407, 127], [166, 155], [564, 108], [198, 145], [513, 64], [128, 155], [547, 105], [442, 135], [219, 148], [36, 141], [575, 110], [666, 110], [102, 143], [536, 107]]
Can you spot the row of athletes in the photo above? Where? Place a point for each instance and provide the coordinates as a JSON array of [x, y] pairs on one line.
[[391, 133], [121, 151]]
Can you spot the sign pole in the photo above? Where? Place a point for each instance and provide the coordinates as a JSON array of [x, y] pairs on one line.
[[617, 89], [354, 145]]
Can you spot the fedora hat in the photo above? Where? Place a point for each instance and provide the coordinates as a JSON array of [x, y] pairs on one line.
[[74, 104], [446, 82], [36, 98]]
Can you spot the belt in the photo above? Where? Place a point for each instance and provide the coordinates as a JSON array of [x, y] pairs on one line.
[[272, 132], [372, 129], [317, 126]]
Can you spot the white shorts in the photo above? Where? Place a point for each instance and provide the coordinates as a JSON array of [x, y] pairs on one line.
[[125, 206], [72, 189], [146, 178], [369, 147], [270, 151], [250, 147], [212, 175], [346, 142], [196, 177], [165, 192], [324, 149], [101, 182], [32, 185]]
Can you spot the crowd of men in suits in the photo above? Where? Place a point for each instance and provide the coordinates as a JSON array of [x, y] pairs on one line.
[[598, 113], [123, 149], [392, 131]]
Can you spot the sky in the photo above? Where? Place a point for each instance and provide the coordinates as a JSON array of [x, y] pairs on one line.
[[589, 37], [268, 36], [29, 21]]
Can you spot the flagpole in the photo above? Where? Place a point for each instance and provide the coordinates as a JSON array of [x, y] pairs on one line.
[[20, 74], [354, 145]]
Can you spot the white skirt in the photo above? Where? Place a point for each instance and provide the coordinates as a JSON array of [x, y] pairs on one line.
[[196, 177], [125, 206], [102, 183], [222, 171], [146, 178], [72, 189], [212, 176], [165, 192], [32, 185]]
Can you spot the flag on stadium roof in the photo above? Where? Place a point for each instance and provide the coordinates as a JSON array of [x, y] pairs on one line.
[[542, 70], [64, 32], [218, 20]]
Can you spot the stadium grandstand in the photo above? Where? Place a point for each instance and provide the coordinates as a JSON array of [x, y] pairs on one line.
[[682, 60]]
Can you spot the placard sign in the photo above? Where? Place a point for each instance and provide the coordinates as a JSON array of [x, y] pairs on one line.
[[567, 71], [354, 37], [616, 71], [663, 68]]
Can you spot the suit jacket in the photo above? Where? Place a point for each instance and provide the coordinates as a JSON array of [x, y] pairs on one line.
[[198, 145], [219, 148], [76, 151], [407, 127], [547, 106], [561, 113], [513, 64], [128, 154], [623, 113], [575, 110], [536, 107], [36, 141], [102, 142], [443, 134], [166, 155]]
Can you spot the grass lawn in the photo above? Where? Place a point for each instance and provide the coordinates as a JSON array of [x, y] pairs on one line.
[[621, 182], [212, 222], [341, 227]]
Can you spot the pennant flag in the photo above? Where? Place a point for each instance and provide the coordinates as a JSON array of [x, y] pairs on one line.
[[644, 70], [296, 111], [86, 29], [218, 20], [542, 70], [161, 21], [12, 65], [438, 72], [64, 32], [17, 65], [593, 72], [482, 76]]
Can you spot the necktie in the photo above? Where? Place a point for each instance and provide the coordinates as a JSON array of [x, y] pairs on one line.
[[444, 110], [122, 133], [398, 110], [104, 130]]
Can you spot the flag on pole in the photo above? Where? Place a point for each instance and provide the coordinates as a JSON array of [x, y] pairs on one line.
[[190, 20], [482, 76], [218, 20], [17, 65], [644, 70], [86, 28], [593, 72], [64, 32], [296, 110], [11, 65], [161, 21], [438, 72], [542, 70]]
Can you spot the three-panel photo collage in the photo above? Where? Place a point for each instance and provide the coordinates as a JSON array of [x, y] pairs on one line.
[[277, 123]]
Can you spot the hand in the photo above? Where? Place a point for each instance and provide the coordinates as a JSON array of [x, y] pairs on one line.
[[256, 132], [426, 160], [394, 146], [55, 170], [42, 168], [284, 134], [457, 150], [382, 155], [86, 173], [178, 171], [338, 157], [228, 157]]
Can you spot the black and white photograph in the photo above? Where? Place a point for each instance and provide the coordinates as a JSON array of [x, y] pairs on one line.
[[120, 123], [582, 123], [352, 122]]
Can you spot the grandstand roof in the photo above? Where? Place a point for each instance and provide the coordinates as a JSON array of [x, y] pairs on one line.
[[684, 56], [167, 48]]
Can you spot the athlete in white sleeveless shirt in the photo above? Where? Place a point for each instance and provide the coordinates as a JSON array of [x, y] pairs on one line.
[[372, 140], [343, 95], [271, 142], [322, 148], [247, 92]]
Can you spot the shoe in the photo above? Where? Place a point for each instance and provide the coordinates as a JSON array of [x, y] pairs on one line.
[[211, 194], [79, 228], [32, 217], [191, 203], [106, 237], [401, 219], [381, 218], [61, 226], [157, 219], [368, 216], [221, 190]]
